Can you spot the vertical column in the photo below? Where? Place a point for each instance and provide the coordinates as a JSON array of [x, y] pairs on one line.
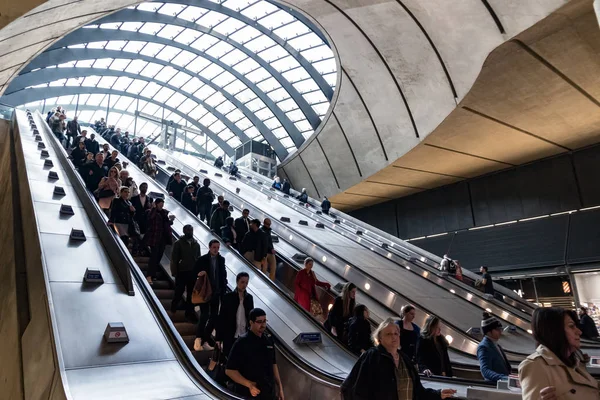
[[77, 105], [107, 108], [137, 110]]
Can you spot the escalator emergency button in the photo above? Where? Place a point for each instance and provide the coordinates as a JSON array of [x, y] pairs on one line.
[[115, 332], [93, 276]]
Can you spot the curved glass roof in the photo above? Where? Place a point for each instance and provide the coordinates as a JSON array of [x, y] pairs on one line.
[[234, 69]]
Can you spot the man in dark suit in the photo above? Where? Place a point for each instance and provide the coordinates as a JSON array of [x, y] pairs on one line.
[[212, 264], [142, 203], [231, 324], [242, 225]]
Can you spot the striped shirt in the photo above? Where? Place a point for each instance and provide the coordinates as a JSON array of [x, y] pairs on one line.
[[404, 382]]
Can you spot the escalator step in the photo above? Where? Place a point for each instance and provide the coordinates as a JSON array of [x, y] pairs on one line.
[[178, 317], [158, 285], [139, 259], [185, 328], [166, 303], [189, 341], [163, 293]]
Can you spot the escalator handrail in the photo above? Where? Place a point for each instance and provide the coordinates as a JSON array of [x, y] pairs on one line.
[[123, 257]]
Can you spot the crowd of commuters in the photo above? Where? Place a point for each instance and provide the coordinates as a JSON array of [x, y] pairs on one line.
[[390, 358]]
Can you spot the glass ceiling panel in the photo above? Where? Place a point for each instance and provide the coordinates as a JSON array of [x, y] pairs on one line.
[[259, 9]]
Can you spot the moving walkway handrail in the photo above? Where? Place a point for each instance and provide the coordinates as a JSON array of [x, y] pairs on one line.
[[275, 222], [120, 257]]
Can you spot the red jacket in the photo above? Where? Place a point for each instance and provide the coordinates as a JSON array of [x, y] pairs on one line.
[[304, 288]]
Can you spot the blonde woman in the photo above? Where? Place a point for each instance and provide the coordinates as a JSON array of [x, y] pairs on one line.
[[108, 188], [383, 372]]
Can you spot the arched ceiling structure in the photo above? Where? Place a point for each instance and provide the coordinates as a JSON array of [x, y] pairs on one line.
[[235, 69]]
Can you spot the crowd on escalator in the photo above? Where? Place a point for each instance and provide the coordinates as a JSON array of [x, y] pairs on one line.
[[390, 358]]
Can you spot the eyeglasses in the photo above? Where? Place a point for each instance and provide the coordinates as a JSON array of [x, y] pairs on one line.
[[261, 321]]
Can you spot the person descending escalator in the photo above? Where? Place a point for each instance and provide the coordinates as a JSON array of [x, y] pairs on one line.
[[184, 254], [228, 233], [233, 169], [219, 162], [587, 324], [325, 205], [158, 236], [254, 245], [432, 349], [121, 216], [269, 262], [285, 186], [276, 183], [409, 332], [142, 203], [176, 187], [341, 312], [218, 218], [188, 199], [303, 197], [359, 331], [78, 155]]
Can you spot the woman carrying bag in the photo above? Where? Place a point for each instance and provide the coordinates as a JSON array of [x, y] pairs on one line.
[[305, 291], [108, 188], [121, 216]]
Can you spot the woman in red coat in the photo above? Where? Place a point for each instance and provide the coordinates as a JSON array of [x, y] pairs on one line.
[[304, 286]]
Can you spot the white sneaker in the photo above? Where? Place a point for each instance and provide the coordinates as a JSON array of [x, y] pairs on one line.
[[207, 347], [197, 344]]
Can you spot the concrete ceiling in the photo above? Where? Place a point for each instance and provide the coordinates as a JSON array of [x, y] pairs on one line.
[[537, 95]]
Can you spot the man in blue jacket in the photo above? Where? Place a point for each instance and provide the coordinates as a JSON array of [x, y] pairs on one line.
[[493, 363]]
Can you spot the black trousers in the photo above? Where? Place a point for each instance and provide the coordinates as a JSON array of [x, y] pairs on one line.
[[156, 253], [204, 211], [184, 281], [209, 313]]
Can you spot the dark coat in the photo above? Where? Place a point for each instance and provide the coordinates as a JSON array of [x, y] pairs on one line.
[[73, 128], [256, 242], [203, 264], [120, 212], [205, 195], [241, 228], [269, 239], [140, 211], [325, 206], [217, 219], [588, 327], [92, 174], [187, 202], [373, 377], [159, 228], [428, 356], [336, 319], [177, 188], [359, 335], [78, 156], [227, 235], [303, 197], [109, 162], [285, 187], [92, 146], [226, 325], [184, 255], [115, 141]]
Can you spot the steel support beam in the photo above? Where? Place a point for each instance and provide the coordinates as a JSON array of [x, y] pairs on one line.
[[35, 94], [130, 15], [48, 75], [91, 35]]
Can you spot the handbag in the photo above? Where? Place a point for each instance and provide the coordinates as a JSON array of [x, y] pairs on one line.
[[217, 365], [134, 228], [315, 308], [202, 290], [102, 194]]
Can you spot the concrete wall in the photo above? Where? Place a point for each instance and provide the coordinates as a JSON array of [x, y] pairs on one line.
[[404, 66]]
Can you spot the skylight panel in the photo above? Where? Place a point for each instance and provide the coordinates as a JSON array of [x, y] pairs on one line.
[[150, 90], [126, 121], [296, 75], [295, 115], [149, 6], [216, 99], [235, 87], [234, 115], [260, 43], [122, 83], [66, 100], [229, 26], [183, 58], [91, 81], [131, 26], [103, 62], [179, 79], [188, 36], [325, 66], [287, 105], [286, 63], [208, 119], [269, 84], [69, 64], [114, 118], [233, 57], [152, 109], [303, 125], [197, 65], [211, 18], [273, 53], [94, 99], [112, 25], [272, 123], [225, 107], [252, 132], [135, 66], [219, 49], [119, 64], [317, 53], [192, 13], [133, 105], [258, 75], [123, 103], [331, 79], [292, 30], [306, 41], [246, 66], [187, 106], [264, 114], [192, 85], [287, 143], [255, 104], [245, 96], [223, 79], [107, 81], [276, 19], [307, 85], [280, 133], [204, 92], [315, 97], [176, 100], [244, 124], [245, 34], [171, 9], [137, 86], [234, 142], [211, 71], [321, 108], [115, 45], [151, 70], [86, 116], [197, 112], [237, 5], [204, 42], [134, 46], [96, 45], [163, 94], [151, 28], [217, 126], [168, 53], [151, 49], [83, 97], [170, 31], [166, 73], [259, 10], [76, 46]]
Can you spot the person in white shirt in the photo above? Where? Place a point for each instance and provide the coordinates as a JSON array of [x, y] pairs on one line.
[[233, 316]]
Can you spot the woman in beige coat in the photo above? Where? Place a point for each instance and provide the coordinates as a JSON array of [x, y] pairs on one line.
[[554, 371]]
